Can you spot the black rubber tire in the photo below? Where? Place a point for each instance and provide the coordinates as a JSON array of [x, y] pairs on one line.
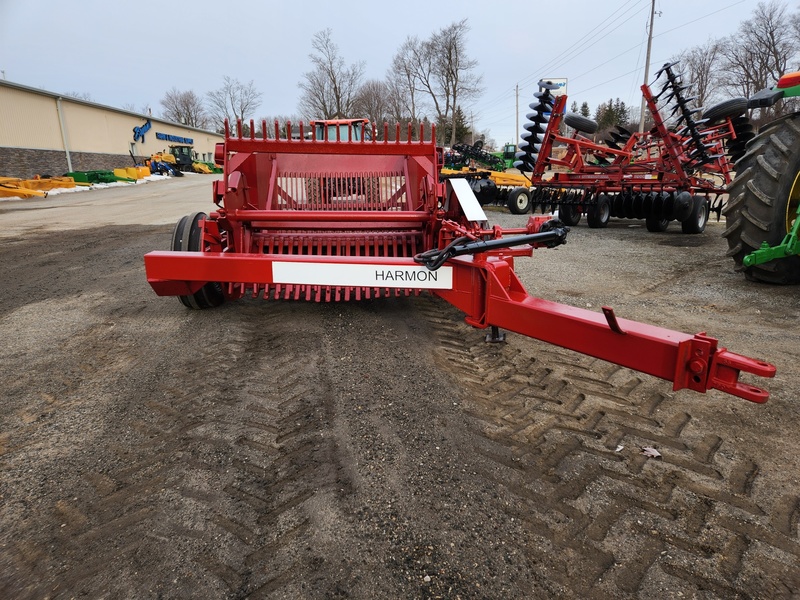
[[599, 212], [569, 214], [485, 190], [655, 224], [759, 207], [727, 108], [698, 217], [683, 206], [519, 201], [188, 237], [580, 123]]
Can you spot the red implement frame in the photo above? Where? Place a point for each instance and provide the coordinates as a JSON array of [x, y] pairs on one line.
[[654, 160], [273, 237]]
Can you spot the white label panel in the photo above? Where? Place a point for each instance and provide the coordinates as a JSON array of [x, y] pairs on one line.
[[386, 276], [466, 198]]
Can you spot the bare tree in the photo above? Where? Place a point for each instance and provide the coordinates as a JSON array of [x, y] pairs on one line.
[[442, 70], [142, 110], [80, 95], [372, 101], [794, 20], [699, 64], [455, 69], [233, 101], [282, 120], [759, 53], [184, 107], [329, 90], [401, 81]]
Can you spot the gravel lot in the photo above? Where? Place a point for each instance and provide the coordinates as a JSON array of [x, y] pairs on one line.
[[378, 449]]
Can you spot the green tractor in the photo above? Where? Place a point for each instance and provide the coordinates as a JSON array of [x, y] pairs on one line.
[[508, 155], [764, 198]]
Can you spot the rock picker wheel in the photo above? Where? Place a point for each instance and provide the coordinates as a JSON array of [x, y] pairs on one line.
[[598, 214], [188, 237], [519, 201], [698, 218], [569, 214], [763, 201]]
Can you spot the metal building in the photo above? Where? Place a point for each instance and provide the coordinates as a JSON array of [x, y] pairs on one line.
[[44, 133]]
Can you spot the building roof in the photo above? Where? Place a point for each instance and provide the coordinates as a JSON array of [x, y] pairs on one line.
[[68, 98]]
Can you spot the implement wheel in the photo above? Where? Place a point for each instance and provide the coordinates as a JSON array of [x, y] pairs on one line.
[[698, 217], [727, 108], [580, 123], [656, 224], [188, 237], [569, 214], [598, 214], [763, 201], [519, 201]]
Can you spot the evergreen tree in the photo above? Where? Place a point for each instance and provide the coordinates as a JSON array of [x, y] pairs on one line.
[[463, 131], [611, 113]]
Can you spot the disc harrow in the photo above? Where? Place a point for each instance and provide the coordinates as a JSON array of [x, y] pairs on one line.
[[676, 171]]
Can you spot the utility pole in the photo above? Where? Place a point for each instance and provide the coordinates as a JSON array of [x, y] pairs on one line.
[[472, 127], [516, 126], [647, 61]]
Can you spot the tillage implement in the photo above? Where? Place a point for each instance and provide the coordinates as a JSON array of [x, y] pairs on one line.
[[350, 219], [676, 171]]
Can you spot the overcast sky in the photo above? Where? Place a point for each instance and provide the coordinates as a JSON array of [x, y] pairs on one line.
[[132, 53]]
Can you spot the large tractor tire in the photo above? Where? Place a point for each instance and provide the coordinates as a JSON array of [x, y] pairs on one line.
[[188, 237], [763, 200]]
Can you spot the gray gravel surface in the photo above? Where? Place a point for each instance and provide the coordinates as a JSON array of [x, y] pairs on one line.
[[378, 449]]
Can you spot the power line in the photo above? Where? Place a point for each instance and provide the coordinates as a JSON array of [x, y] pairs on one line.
[[577, 50], [495, 105]]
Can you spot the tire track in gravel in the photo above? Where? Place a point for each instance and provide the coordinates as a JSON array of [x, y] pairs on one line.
[[561, 433], [245, 457], [217, 456], [376, 449]]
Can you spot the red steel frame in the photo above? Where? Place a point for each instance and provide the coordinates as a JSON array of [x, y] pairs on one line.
[[649, 161], [484, 285]]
